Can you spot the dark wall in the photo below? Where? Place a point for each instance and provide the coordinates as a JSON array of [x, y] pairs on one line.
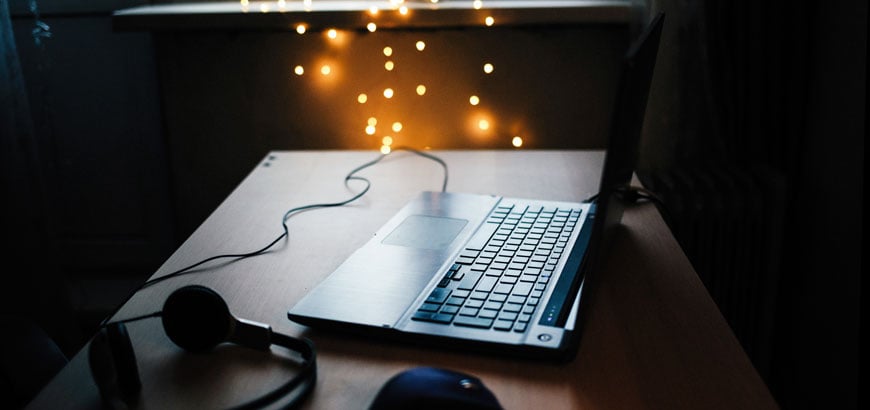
[[99, 154]]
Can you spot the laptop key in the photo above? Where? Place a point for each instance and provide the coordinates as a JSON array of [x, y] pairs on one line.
[[486, 283], [438, 295], [522, 289], [455, 301], [442, 318], [450, 309], [503, 288], [504, 325], [469, 321], [471, 278], [469, 311], [430, 307]]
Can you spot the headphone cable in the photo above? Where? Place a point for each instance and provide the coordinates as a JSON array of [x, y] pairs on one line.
[[351, 176]]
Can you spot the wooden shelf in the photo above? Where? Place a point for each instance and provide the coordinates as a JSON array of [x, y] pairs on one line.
[[356, 15]]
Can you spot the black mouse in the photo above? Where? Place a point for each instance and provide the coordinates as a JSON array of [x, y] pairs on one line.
[[434, 388]]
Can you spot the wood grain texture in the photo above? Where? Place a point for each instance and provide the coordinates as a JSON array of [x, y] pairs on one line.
[[654, 338]]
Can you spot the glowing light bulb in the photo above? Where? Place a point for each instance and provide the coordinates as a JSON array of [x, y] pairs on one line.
[[300, 28], [388, 51], [488, 68], [420, 46], [385, 149], [370, 129], [388, 140], [483, 125], [421, 89], [299, 70], [373, 121], [264, 7], [517, 141], [403, 10], [371, 27], [477, 4], [397, 126], [362, 98], [389, 66], [332, 33], [489, 21], [373, 10], [325, 69], [388, 92], [474, 100]]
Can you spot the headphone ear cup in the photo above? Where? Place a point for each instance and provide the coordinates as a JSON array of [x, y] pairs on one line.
[[113, 365], [196, 318], [125, 360]]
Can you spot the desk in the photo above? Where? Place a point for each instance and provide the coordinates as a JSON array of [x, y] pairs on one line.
[[654, 338]]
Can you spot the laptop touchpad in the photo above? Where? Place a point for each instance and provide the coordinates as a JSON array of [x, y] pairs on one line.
[[425, 232]]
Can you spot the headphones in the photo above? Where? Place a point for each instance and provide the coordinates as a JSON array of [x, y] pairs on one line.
[[196, 319]]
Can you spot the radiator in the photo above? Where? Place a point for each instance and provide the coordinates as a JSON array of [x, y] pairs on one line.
[[728, 220]]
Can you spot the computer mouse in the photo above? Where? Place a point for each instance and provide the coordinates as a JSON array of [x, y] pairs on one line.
[[434, 388]]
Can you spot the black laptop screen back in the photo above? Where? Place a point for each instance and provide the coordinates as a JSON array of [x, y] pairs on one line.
[[626, 124]]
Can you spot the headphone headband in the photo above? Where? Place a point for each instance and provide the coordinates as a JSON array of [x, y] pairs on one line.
[[196, 319]]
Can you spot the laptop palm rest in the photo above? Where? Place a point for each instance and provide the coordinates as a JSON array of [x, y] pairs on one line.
[[383, 278]]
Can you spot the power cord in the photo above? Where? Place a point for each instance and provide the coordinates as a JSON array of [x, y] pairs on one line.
[[634, 194]]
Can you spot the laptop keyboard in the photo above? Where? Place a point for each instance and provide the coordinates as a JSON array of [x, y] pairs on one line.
[[497, 281]]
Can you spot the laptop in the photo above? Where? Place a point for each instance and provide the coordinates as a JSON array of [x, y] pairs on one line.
[[486, 273]]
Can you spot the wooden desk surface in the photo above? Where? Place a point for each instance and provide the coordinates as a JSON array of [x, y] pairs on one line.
[[654, 339]]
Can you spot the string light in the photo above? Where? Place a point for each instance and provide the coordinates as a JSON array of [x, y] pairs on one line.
[[388, 92], [403, 10], [373, 10], [332, 34], [489, 21], [373, 121], [477, 4], [264, 7], [385, 149], [397, 126], [282, 4], [389, 65], [370, 129], [300, 28], [371, 27], [325, 69], [388, 51], [388, 140], [362, 98], [517, 141], [483, 125], [488, 68], [474, 100], [299, 70], [421, 89], [420, 45]]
